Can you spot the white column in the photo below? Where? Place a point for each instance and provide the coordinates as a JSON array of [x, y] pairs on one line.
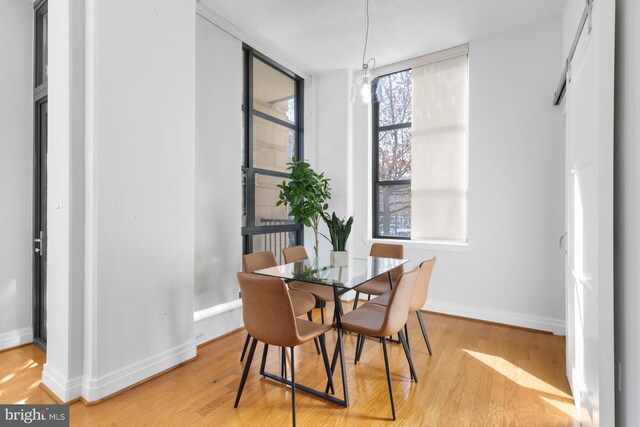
[[140, 180], [62, 373]]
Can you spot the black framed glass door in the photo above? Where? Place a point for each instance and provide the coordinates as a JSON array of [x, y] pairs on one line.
[[273, 136], [41, 109]]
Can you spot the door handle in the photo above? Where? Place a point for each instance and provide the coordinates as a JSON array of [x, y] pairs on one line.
[[563, 238], [39, 248]]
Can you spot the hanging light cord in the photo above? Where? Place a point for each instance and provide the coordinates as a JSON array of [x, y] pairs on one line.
[[366, 39]]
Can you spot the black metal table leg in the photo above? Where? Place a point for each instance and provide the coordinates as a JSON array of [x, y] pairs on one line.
[[343, 365]]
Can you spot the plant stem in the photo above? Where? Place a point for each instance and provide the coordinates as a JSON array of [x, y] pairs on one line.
[[314, 223]]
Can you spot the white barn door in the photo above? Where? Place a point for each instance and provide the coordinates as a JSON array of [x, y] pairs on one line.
[[589, 125]]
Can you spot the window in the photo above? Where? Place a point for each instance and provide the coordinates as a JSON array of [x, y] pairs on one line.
[[273, 134], [420, 145]]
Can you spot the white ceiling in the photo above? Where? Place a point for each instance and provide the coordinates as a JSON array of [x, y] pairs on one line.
[[319, 35]]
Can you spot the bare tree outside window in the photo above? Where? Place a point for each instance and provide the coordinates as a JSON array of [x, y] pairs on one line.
[[392, 134]]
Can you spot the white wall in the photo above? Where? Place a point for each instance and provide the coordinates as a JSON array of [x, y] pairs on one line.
[[16, 169], [219, 71], [141, 191], [512, 271], [218, 197], [334, 153], [627, 211]]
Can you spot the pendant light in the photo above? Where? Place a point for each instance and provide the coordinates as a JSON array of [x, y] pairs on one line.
[[361, 88]]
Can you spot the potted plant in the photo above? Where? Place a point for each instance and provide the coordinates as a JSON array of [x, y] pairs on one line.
[[339, 231], [306, 194]]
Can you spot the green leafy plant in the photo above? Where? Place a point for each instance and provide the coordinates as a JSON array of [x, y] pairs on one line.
[[339, 230], [306, 195], [310, 274]]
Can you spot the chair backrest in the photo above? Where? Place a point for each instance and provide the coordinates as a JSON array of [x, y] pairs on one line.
[[386, 250], [267, 310], [399, 302], [422, 284], [294, 254], [258, 261]]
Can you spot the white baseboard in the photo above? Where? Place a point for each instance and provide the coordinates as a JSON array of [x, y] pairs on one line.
[[99, 388], [555, 326], [16, 338], [218, 320], [66, 390]]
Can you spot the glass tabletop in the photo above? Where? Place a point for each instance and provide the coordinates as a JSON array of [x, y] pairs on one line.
[[321, 271]]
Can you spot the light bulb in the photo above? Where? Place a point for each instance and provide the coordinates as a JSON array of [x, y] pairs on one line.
[[365, 92]]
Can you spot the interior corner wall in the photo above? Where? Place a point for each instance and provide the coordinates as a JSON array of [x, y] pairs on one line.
[[627, 212], [219, 142], [335, 142], [513, 271], [16, 172], [140, 143], [218, 197]]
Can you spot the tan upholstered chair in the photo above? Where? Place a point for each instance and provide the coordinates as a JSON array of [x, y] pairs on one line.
[[376, 321], [320, 292], [268, 314], [418, 298], [380, 284], [303, 302]]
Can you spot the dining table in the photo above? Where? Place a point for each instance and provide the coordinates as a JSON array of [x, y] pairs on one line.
[[341, 277]]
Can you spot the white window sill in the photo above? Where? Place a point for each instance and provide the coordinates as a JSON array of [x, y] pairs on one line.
[[426, 245]]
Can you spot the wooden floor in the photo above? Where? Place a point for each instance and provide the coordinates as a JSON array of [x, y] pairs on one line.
[[480, 375]]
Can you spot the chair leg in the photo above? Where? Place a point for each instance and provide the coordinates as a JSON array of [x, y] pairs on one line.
[[264, 358], [406, 336], [245, 372], [369, 297], [424, 332], [283, 363], [355, 301], [325, 359], [355, 356], [315, 340], [407, 353], [246, 345], [322, 313], [386, 366], [293, 385], [360, 347]]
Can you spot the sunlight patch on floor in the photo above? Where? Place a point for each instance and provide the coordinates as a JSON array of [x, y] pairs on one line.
[[7, 378], [564, 406], [517, 375]]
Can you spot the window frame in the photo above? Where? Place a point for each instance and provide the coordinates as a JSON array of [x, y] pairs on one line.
[[375, 158], [386, 70], [249, 229]]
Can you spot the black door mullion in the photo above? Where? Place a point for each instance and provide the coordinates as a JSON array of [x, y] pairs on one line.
[[250, 187], [300, 139], [270, 118]]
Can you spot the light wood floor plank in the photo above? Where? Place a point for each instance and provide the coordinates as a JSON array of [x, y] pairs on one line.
[[480, 374]]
